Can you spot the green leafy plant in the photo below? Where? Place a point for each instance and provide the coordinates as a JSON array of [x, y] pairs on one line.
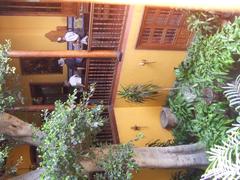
[[207, 64], [4, 150], [205, 23], [225, 158], [69, 132], [185, 113], [210, 123], [118, 163], [139, 93], [6, 100]]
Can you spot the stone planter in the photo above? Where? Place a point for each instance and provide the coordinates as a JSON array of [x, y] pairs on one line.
[[167, 118]]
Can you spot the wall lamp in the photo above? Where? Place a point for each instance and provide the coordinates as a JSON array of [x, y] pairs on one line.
[[144, 62], [138, 128]]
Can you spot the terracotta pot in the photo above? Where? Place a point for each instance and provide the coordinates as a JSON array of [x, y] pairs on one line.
[[167, 118]]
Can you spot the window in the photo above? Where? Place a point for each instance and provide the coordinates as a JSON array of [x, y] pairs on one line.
[[163, 28], [40, 66], [46, 93]]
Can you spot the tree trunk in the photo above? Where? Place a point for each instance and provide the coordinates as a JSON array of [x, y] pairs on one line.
[[32, 175], [19, 130], [182, 156]]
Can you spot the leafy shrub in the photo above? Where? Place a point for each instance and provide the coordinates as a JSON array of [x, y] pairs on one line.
[[207, 65], [210, 124], [118, 163], [204, 22], [6, 99], [69, 131], [4, 150], [225, 159]]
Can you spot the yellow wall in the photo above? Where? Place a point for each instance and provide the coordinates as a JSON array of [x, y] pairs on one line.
[[160, 73], [149, 119], [28, 33], [146, 115], [15, 156]]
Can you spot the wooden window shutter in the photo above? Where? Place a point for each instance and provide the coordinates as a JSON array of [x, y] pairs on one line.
[[15, 8], [163, 28]]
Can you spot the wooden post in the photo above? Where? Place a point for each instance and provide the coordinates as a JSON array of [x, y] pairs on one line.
[[90, 26], [65, 53]]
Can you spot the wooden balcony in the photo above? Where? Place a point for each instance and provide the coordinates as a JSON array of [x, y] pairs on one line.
[[105, 28]]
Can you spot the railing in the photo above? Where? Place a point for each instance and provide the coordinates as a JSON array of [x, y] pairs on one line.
[[102, 72], [106, 26], [108, 134]]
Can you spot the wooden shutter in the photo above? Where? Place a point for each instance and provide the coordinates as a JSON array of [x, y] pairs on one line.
[[14, 8], [163, 28]]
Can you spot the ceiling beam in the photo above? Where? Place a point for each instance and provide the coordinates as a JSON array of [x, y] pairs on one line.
[[64, 53], [230, 5]]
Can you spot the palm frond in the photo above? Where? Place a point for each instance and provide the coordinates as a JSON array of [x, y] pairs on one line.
[[138, 93], [232, 93], [225, 159]]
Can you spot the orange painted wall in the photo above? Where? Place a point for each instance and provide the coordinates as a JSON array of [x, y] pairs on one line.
[[161, 72], [145, 115], [28, 33]]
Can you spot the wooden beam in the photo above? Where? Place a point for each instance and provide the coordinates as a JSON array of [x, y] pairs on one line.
[[31, 108], [65, 53], [227, 6]]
